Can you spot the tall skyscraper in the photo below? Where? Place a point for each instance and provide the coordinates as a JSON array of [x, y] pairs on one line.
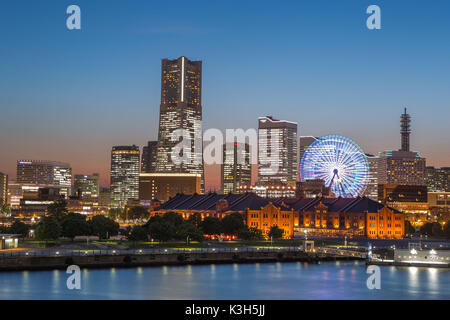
[[3, 189], [124, 174], [181, 108], [148, 162], [372, 179], [87, 186], [305, 142], [236, 168], [277, 151], [46, 173], [402, 167]]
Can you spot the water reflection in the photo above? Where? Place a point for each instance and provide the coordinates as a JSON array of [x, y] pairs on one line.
[[296, 280]]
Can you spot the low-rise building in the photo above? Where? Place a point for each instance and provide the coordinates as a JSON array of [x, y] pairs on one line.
[[162, 186], [328, 217]]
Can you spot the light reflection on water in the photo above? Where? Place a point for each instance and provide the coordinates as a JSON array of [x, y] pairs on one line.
[[328, 280]]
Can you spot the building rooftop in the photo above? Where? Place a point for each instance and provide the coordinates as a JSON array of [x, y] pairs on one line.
[[251, 201]]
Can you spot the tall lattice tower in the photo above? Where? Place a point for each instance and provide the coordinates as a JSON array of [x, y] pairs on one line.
[[405, 130]]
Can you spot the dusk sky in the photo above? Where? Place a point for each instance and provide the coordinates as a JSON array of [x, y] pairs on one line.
[[71, 95]]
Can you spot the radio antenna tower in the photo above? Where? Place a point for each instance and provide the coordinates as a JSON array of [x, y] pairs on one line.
[[405, 130]]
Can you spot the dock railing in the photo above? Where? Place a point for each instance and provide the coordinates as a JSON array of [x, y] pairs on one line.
[[153, 251]]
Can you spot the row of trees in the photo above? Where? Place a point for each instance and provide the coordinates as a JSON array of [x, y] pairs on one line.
[[172, 226], [61, 223], [435, 229], [18, 227], [134, 213]]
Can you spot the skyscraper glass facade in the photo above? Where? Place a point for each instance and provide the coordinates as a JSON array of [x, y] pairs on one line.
[[277, 151], [124, 174], [181, 83], [236, 168]]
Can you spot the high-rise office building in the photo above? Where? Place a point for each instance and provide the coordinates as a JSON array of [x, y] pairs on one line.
[[3, 189], [304, 143], [46, 173], [124, 175], [437, 179], [87, 187], [180, 115], [236, 168], [277, 151], [148, 160], [403, 167], [372, 178]]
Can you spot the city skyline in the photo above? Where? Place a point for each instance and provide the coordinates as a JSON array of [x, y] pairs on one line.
[[119, 106]]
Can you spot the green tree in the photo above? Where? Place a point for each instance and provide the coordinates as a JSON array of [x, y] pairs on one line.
[[275, 232], [58, 209], [188, 231], [409, 229], [138, 212], [5, 210], [116, 213], [446, 231], [138, 233], [162, 230], [103, 227], [18, 227], [436, 230], [431, 229], [250, 234], [74, 224], [4, 229], [48, 229], [125, 231], [211, 225], [232, 223], [173, 218]]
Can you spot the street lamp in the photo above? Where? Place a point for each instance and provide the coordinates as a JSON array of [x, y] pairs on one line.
[[306, 234]]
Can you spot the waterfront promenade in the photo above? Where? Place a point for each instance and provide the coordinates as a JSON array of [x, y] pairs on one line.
[[59, 259]]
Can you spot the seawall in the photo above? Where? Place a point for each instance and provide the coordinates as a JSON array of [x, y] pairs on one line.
[[159, 259]]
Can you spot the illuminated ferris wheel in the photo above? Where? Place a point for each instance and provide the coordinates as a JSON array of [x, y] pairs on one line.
[[338, 161]]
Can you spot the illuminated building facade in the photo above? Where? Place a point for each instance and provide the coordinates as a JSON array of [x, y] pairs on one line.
[[46, 173], [439, 203], [372, 177], [410, 200], [35, 200], [3, 189], [351, 217], [273, 190], [162, 186], [148, 161], [236, 169], [104, 197], [277, 151], [181, 108], [125, 162], [437, 179], [339, 217], [402, 168], [87, 187], [313, 189]]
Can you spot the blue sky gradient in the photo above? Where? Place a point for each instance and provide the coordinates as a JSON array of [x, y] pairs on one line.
[[72, 95]]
